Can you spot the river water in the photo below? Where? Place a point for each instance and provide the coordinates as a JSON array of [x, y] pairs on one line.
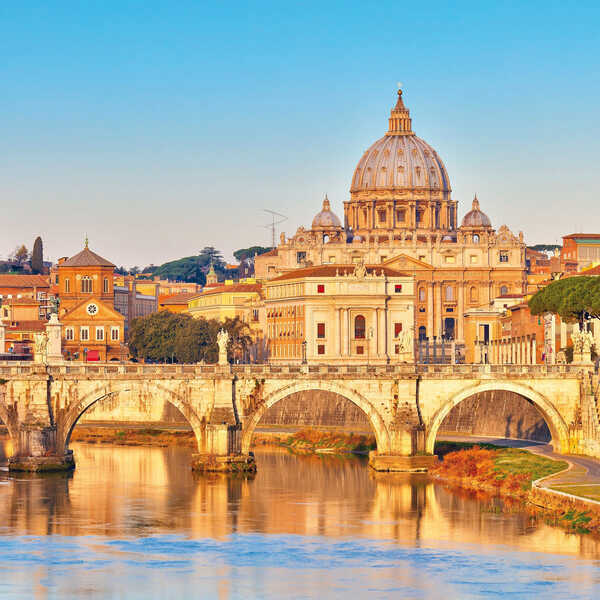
[[134, 522]]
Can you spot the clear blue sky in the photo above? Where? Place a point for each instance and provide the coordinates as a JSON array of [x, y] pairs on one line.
[[160, 127]]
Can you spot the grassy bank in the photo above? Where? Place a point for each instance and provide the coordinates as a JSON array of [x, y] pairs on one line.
[[510, 472], [313, 441], [133, 437]]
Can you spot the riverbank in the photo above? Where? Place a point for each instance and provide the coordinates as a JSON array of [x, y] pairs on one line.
[[309, 441], [509, 473]]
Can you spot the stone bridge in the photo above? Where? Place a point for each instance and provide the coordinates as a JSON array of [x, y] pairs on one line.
[[405, 404]]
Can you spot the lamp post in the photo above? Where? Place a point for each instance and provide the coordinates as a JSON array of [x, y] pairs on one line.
[[304, 344]]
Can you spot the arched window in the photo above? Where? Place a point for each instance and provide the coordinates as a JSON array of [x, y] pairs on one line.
[[474, 294], [449, 293], [359, 327], [475, 239], [422, 332], [106, 285], [86, 284], [422, 294], [503, 290]]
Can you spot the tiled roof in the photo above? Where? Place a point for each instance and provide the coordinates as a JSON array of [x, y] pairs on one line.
[[37, 325], [182, 298], [270, 253], [332, 270], [23, 281], [235, 287], [574, 236], [86, 258]]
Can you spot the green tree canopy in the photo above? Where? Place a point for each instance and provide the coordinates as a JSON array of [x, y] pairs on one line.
[[166, 337], [250, 252], [574, 299]]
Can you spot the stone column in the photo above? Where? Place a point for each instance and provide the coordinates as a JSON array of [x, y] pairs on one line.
[[430, 310], [437, 318], [2, 337], [381, 337], [337, 332], [461, 311], [344, 318], [54, 336], [309, 334], [533, 351]]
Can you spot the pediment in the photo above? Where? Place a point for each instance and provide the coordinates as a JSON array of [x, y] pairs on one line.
[[79, 311], [403, 262]]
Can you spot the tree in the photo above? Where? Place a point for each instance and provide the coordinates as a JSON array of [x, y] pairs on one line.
[[20, 254], [248, 253], [167, 337], [37, 256], [574, 299]]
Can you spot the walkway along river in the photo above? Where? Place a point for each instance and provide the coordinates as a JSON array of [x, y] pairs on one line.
[[135, 522]]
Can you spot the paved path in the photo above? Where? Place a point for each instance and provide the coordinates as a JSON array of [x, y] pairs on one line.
[[583, 474]]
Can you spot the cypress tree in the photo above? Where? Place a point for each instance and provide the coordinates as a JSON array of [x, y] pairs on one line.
[[37, 256]]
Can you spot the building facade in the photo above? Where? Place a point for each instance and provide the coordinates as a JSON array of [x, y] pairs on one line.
[[340, 313], [401, 215]]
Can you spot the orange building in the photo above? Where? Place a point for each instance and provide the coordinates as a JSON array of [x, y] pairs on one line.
[[176, 303], [93, 330], [579, 251]]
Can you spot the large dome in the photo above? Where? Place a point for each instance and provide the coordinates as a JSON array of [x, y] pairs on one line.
[[401, 161]]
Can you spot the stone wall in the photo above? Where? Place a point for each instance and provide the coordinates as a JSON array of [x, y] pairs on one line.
[[317, 408], [499, 413]]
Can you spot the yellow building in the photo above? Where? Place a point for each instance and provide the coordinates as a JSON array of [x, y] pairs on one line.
[[231, 300]]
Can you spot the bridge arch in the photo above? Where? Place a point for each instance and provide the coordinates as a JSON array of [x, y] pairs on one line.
[[380, 430], [75, 412], [558, 428]]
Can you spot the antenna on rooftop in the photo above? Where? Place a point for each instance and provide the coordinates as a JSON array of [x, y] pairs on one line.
[[276, 219]]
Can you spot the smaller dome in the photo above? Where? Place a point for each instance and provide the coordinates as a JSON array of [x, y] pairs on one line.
[[475, 217], [326, 219]]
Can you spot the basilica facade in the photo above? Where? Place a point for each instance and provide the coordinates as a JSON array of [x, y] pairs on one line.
[[401, 215]]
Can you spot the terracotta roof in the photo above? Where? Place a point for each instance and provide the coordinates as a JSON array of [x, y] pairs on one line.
[[182, 298], [234, 287], [269, 253], [331, 270], [86, 258], [574, 236], [37, 325], [22, 281]]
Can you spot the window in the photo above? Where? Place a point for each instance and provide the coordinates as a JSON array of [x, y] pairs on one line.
[[475, 239], [360, 349], [398, 288], [67, 285], [419, 216], [84, 334], [321, 288], [300, 257], [503, 290], [474, 259], [321, 349], [69, 333], [106, 285], [474, 294], [397, 329], [383, 258], [401, 215], [449, 293], [255, 314], [114, 334], [422, 296], [86, 284], [320, 330], [360, 327], [503, 257], [332, 260], [449, 260], [396, 349], [422, 332], [100, 333], [381, 215]]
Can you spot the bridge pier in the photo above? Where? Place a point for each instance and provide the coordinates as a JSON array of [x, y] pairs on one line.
[[406, 453], [37, 451], [222, 451]]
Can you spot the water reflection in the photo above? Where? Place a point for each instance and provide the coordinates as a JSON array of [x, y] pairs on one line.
[[294, 509]]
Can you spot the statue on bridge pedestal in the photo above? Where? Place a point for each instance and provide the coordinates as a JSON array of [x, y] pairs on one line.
[[583, 341], [222, 342]]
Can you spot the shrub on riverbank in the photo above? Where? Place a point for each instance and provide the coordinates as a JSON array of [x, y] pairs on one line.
[[313, 440], [504, 471]]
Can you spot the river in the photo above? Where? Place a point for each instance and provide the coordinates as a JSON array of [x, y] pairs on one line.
[[134, 522]]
